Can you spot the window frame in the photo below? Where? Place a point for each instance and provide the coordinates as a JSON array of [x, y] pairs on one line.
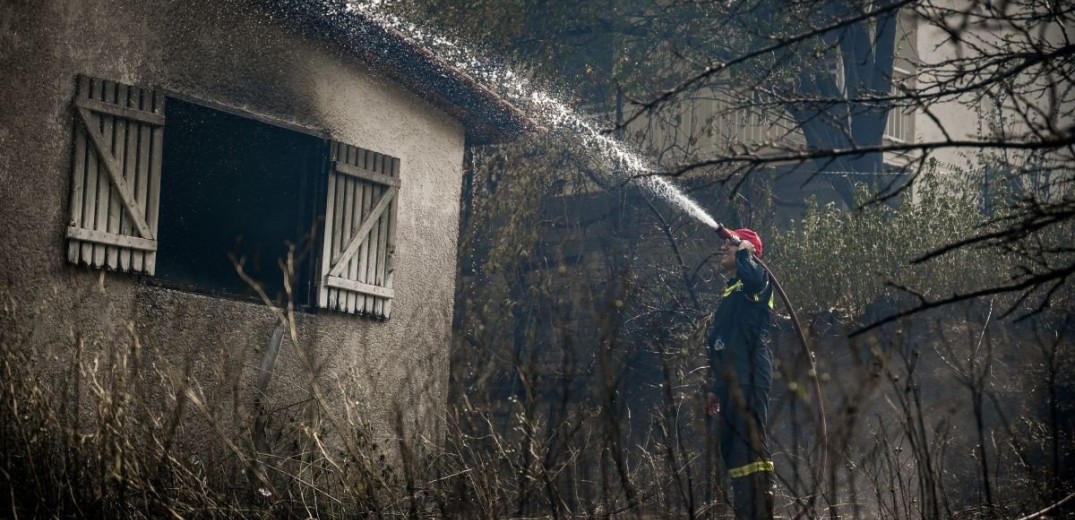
[[379, 297], [308, 305]]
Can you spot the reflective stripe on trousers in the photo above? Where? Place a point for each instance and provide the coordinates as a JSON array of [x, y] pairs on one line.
[[753, 467]]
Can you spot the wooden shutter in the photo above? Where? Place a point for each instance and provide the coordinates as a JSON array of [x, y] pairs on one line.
[[115, 176], [360, 232]]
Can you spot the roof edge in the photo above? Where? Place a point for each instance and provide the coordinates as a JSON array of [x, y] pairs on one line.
[[486, 117]]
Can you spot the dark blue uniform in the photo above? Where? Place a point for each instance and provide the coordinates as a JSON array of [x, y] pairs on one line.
[[741, 371]]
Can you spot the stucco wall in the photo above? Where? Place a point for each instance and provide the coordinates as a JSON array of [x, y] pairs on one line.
[[231, 53], [976, 115], [960, 118]]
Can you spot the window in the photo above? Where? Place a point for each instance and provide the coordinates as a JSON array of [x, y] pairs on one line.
[[223, 192], [236, 192], [899, 126]]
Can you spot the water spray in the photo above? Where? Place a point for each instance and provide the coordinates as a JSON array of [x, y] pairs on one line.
[[823, 429]]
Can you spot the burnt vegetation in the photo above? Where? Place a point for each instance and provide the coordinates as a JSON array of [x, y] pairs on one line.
[[936, 300]]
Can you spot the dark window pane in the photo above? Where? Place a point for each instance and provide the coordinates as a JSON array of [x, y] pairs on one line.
[[235, 189]]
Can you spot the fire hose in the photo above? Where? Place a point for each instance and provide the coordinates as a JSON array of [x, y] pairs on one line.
[[728, 235]]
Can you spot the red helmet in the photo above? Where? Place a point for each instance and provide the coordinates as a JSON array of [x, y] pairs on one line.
[[750, 236]]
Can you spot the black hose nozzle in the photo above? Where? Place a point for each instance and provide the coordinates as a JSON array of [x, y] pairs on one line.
[[725, 234]]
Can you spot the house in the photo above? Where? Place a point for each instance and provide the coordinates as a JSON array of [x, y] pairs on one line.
[[179, 178]]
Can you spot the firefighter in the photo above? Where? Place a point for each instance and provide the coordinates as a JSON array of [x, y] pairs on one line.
[[741, 373]]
